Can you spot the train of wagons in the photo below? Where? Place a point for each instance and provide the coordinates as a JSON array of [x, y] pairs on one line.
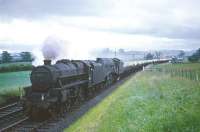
[[57, 87]]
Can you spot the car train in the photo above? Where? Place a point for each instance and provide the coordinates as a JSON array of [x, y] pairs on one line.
[[57, 87]]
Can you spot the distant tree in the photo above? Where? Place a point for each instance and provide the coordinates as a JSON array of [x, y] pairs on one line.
[[121, 51], [26, 56], [149, 56], [158, 54], [106, 50], [6, 57], [198, 52], [181, 54], [195, 57]]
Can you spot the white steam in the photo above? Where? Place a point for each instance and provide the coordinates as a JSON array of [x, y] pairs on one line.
[[53, 48]]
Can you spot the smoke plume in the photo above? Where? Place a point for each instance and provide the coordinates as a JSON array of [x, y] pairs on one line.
[[53, 48]]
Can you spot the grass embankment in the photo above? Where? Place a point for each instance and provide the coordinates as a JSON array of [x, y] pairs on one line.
[[17, 66], [10, 84], [149, 101]]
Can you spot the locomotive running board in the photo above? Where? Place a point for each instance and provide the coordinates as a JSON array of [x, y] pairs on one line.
[[72, 84]]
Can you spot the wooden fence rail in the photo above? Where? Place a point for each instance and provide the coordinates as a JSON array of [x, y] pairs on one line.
[[192, 74]]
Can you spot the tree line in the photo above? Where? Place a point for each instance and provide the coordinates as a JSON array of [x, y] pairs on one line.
[[24, 57], [195, 57], [158, 54]]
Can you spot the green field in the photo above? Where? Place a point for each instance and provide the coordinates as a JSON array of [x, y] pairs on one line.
[[11, 82], [151, 101]]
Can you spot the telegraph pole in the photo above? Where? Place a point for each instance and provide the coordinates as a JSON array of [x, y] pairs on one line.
[[115, 53]]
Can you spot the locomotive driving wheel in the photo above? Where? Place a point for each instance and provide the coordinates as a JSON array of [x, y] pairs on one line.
[[109, 80], [38, 114], [52, 113], [68, 105], [82, 94]]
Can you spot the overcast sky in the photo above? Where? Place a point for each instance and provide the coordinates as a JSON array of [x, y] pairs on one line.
[[90, 24]]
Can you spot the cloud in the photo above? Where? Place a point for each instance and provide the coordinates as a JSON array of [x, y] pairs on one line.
[[38, 9], [136, 24]]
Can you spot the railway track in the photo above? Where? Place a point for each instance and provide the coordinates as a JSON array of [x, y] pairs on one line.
[[11, 115], [13, 123], [12, 118], [55, 124], [9, 109]]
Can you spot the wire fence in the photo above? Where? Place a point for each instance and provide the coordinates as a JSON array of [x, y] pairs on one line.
[[191, 74]]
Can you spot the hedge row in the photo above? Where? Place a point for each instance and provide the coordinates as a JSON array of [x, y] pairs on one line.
[[14, 68]]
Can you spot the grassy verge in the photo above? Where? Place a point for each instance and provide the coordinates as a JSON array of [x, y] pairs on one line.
[[149, 101], [11, 95]]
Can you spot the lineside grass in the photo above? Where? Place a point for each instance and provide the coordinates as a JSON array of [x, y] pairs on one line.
[[10, 95], [148, 102]]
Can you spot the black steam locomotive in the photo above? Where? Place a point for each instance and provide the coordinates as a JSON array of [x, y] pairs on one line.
[[57, 87]]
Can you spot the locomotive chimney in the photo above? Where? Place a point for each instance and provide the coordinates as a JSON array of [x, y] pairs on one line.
[[47, 62]]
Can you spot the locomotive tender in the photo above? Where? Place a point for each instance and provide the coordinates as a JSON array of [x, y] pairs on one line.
[[57, 87]]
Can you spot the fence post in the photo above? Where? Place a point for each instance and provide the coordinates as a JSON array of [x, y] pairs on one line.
[[170, 72], [186, 74], [182, 73], [175, 73], [190, 75], [193, 75]]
